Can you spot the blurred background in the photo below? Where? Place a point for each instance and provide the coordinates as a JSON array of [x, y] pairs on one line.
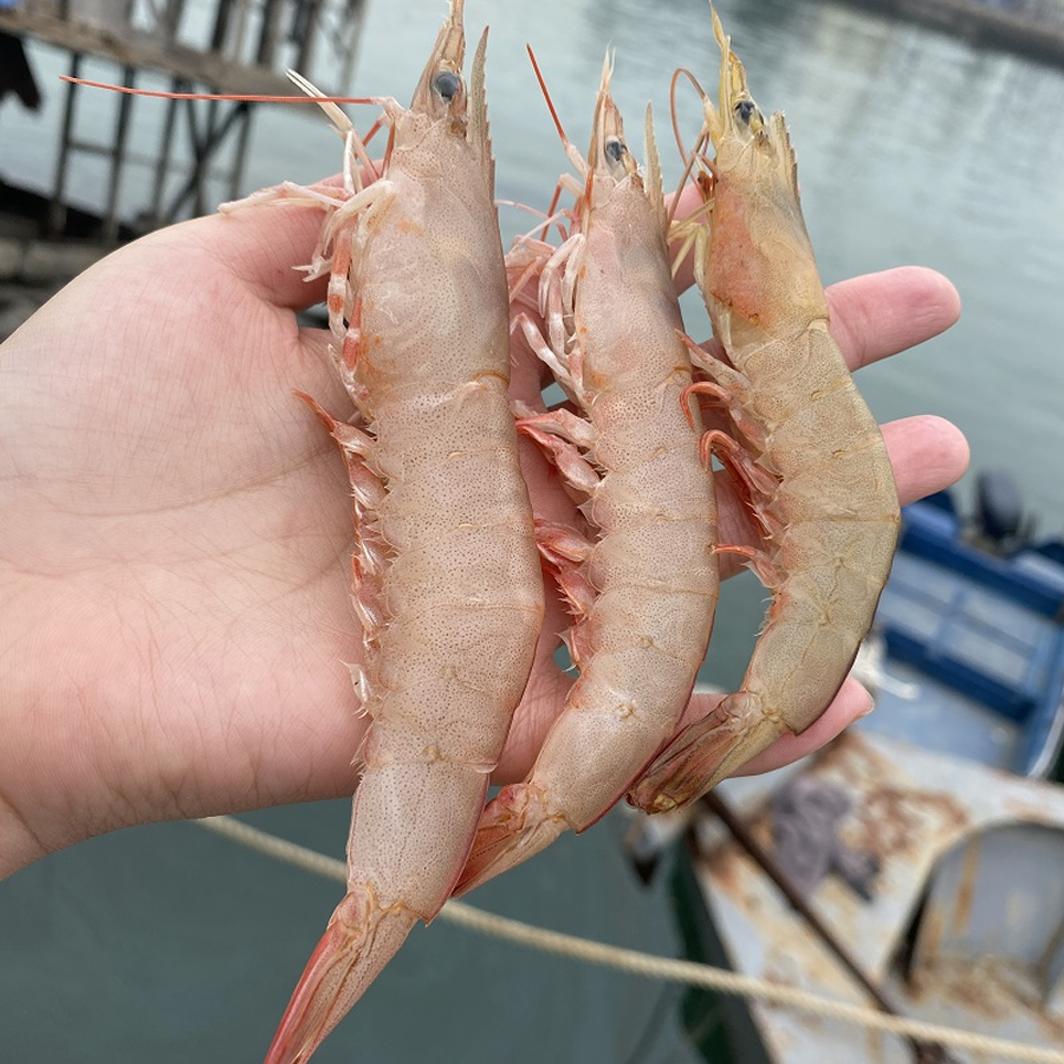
[[928, 133]]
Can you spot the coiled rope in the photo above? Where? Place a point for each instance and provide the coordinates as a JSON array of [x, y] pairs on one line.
[[647, 965]]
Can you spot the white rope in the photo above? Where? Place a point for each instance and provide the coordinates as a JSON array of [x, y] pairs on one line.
[[647, 965]]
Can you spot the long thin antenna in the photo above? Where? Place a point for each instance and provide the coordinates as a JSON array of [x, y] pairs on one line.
[[546, 95], [566, 143], [696, 154], [161, 95], [676, 75]]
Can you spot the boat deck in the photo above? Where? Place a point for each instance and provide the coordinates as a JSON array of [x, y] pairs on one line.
[[959, 927]]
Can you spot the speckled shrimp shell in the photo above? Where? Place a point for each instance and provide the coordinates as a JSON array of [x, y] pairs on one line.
[[447, 585], [641, 581], [806, 452]]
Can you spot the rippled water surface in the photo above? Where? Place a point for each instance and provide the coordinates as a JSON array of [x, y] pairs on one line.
[[912, 148]]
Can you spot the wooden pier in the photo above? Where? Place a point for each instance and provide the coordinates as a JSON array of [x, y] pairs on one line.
[[246, 48], [44, 241]]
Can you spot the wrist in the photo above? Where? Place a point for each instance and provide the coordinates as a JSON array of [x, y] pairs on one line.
[[19, 846], [40, 747]]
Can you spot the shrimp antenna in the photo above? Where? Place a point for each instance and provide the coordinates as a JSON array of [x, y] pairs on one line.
[[546, 96], [566, 143], [676, 75], [696, 156], [596, 127], [159, 94], [689, 159]]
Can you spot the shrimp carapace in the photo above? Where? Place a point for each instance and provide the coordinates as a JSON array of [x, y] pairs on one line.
[[448, 587], [639, 575], [806, 454]]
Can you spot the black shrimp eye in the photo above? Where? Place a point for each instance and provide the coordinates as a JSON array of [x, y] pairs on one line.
[[615, 150], [745, 110], [447, 84]]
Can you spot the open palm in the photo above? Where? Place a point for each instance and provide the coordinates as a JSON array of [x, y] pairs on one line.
[[175, 604]]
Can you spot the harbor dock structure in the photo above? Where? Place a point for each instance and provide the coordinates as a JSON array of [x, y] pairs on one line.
[[1032, 28], [217, 46]]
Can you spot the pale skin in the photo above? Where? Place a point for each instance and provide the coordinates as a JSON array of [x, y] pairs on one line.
[[175, 609]]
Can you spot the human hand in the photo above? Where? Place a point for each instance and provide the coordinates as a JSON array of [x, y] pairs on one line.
[[172, 570], [175, 601]]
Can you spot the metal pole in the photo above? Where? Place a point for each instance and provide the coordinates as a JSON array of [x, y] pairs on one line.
[[236, 176], [239, 34], [356, 13], [204, 150], [118, 157], [194, 185], [165, 151], [175, 9], [221, 26], [271, 11], [308, 24], [57, 209], [207, 146], [193, 140]]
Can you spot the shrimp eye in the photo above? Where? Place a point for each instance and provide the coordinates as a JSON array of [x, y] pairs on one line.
[[615, 150], [745, 109], [447, 85]]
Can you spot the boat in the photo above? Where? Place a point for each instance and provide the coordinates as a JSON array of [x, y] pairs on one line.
[[970, 633], [916, 864]]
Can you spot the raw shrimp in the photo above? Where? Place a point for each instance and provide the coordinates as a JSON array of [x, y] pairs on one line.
[[814, 466], [644, 588], [448, 586]]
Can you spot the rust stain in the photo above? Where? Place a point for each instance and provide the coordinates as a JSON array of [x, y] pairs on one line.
[[761, 829], [992, 988], [724, 864], [895, 820], [932, 925], [875, 1040], [792, 951], [1031, 810], [962, 914], [852, 760]]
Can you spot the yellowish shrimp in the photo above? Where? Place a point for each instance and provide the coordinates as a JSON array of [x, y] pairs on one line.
[[448, 585], [814, 465], [643, 589]]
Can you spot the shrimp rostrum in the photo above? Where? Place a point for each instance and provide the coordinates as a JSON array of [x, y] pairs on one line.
[[806, 452], [447, 585], [641, 578]]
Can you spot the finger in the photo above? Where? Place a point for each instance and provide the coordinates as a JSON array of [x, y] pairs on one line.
[[261, 245], [880, 314], [528, 375], [873, 316], [541, 704], [927, 454], [851, 703]]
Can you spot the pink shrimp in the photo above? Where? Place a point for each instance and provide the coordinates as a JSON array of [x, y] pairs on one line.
[[644, 591], [448, 585], [815, 468]]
